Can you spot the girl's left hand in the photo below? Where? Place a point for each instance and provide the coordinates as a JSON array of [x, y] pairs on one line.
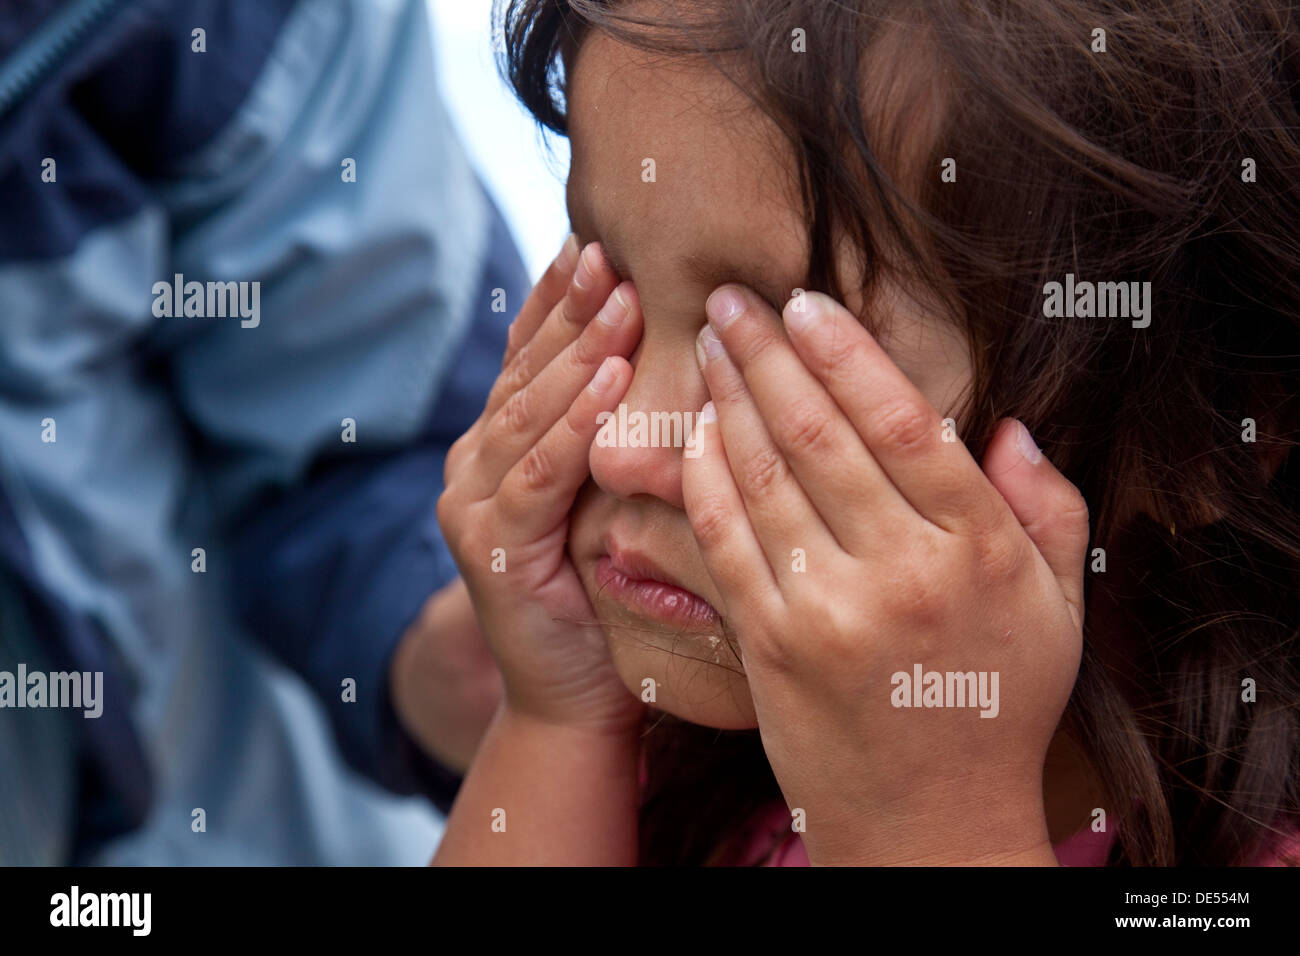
[[852, 545]]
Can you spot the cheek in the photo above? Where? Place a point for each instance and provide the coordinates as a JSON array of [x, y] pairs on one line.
[[942, 379], [929, 348], [585, 522]]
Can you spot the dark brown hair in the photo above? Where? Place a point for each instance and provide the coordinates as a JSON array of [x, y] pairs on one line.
[[1123, 165]]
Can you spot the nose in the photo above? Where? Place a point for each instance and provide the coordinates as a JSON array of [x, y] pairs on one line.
[[639, 448]]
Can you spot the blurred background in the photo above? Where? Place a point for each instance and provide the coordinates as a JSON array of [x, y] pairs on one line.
[[498, 133], [229, 521]]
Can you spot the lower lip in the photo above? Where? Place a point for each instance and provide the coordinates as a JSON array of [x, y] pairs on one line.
[[663, 602]]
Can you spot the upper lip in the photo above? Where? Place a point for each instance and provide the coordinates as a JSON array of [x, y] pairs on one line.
[[637, 566]]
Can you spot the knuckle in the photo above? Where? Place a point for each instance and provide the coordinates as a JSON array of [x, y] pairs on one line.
[[536, 471], [830, 630], [450, 467], [763, 471], [447, 509], [455, 453], [752, 346], [497, 394], [711, 522], [1074, 509], [1001, 555], [985, 515], [843, 621], [836, 646], [586, 351], [517, 374], [916, 593], [914, 598], [772, 652], [516, 412], [728, 389], [807, 429], [839, 352], [512, 337], [902, 426]]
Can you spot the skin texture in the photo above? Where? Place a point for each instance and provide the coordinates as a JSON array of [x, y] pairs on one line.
[[957, 570], [445, 686], [718, 170], [722, 192], [554, 780], [826, 439]]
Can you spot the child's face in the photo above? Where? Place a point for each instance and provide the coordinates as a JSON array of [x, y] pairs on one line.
[[721, 207]]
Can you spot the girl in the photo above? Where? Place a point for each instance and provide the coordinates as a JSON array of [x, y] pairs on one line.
[[860, 617]]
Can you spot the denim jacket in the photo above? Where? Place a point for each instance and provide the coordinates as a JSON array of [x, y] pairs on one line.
[[233, 520]]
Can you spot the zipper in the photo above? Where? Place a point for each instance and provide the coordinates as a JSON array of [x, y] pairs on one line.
[[48, 45]]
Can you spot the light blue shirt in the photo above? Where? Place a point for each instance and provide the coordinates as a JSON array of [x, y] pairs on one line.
[[168, 428]]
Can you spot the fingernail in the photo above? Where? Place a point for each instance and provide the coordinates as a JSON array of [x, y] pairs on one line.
[[802, 312], [588, 263], [723, 307], [615, 309], [707, 346], [568, 255], [708, 413], [1026, 445], [604, 377]]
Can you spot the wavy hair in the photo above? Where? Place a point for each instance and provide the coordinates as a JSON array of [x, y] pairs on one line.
[[1173, 157]]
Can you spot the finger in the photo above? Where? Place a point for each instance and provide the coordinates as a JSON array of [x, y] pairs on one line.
[[589, 285], [593, 281], [538, 491], [822, 447], [732, 554], [1048, 506], [529, 413], [546, 295], [916, 450], [780, 513]]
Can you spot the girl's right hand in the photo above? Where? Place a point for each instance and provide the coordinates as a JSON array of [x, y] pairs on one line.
[[510, 482]]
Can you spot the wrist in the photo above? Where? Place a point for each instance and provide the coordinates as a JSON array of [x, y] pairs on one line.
[[997, 832], [604, 733], [564, 795], [443, 682]]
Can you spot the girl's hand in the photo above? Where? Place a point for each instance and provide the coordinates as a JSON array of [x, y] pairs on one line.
[[511, 480], [851, 543]]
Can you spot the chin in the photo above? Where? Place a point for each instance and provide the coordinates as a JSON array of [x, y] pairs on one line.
[[688, 682], [651, 595]]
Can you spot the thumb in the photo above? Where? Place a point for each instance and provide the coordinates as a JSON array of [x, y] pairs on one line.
[[1046, 504]]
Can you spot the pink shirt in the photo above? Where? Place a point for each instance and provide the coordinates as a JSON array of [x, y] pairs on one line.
[[771, 828], [1085, 848]]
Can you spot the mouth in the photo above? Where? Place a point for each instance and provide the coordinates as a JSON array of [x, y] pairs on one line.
[[641, 586]]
